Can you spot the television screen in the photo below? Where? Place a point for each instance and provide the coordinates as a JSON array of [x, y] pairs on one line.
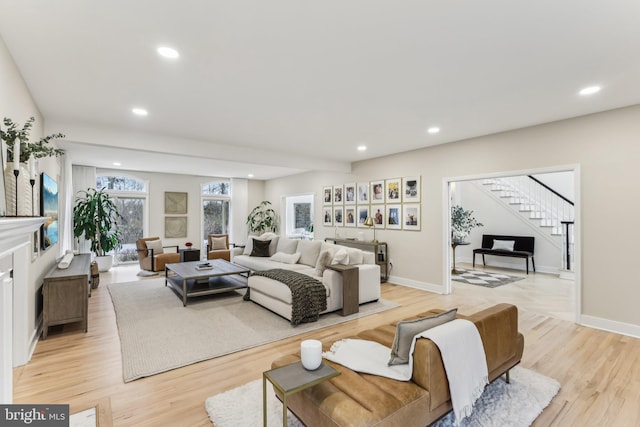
[[49, 208]]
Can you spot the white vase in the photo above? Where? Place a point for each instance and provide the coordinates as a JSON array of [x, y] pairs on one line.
[[24, 204], [104, 262], [311, 354]]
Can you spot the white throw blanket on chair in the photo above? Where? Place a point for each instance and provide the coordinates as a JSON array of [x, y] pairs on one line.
[[462, 354]]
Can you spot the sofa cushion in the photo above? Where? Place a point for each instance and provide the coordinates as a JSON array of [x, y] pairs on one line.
[[287, 246], [309, 251], [355, 256], [406, 330], [260, 248], [341, 257], [286, 258], [323, 260], [156, 245]]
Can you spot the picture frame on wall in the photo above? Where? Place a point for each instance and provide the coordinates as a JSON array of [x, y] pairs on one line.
[[393, 190], [378, 214], [411, 189], [350, 193], [377, 192], [350, 216], [411, 216], [175, 203], [363, 192], [338, 216], [363, 214], [175, 226], [327, 196], [338, 191], [393, 217], [327, 216]]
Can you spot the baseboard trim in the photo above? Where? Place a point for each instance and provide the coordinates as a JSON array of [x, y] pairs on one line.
[[425, 286], [610, 326]]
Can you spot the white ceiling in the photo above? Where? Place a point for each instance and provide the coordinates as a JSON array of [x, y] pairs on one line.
[[282, 86]]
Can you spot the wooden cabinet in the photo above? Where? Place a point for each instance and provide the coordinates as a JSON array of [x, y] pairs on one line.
[[378, 248], [65, 294]]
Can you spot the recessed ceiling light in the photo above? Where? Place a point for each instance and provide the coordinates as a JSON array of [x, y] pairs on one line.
[[168, 52], [362, 148], [590, 90], [433, 130], [250, 175], [139, 111], [117, 164]]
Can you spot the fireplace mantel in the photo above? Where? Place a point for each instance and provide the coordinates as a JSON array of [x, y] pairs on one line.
[[15, 226]]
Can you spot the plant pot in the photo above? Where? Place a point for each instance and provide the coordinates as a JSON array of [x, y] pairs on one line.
[[104, 262]]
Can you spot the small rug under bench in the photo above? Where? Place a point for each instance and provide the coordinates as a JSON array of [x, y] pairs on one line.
[[517, 404], [484, 278]]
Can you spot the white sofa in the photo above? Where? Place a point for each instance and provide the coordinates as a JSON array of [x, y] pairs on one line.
[[303, 256]]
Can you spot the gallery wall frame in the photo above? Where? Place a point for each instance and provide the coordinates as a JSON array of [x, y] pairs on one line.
[[363, 214], [327, 215], [175, 203], [411, 188], [350, 216], [363, 192], [338, 216], [411, 217], [350, 193], [394, 217], [393, 190], [377, 192], [327, 196]]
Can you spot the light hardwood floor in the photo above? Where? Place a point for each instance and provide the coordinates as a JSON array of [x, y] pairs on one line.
[[599, 371]]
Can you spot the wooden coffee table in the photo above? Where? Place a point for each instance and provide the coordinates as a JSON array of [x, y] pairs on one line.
[[188, 281]]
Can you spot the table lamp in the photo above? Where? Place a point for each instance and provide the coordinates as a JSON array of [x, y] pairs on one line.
[[369, 223]]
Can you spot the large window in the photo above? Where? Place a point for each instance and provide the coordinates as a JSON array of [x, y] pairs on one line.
[[130, 196], [216, 206]]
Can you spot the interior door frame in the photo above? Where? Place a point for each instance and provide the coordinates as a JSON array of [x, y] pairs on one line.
[[577, 247]]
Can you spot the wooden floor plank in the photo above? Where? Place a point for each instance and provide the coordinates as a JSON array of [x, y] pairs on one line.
[[599, 371]]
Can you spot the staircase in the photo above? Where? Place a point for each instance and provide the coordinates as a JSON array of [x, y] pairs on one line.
[[541, 206]]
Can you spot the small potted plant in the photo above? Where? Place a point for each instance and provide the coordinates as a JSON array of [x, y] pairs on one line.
[[95, 217], [462, 222], [262, 219]]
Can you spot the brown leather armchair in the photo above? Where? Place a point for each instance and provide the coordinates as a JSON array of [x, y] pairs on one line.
[[149, 257], [215, 249]]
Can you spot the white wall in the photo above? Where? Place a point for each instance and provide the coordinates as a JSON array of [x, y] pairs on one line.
[[604, 145]]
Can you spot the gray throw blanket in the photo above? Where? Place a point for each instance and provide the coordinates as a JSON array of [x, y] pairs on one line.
[[308, 295]]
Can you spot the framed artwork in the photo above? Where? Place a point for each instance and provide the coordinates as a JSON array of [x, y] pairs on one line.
[[394, 215], [327, 214], [363, 214], [363, 192], [393, 191], [411, 189], [327, 196], [337, 195], [350, 216], [377, 191], [378, 214], [411, 216], [350, 193], [175, 203], [338, 216], [48, 207], [175, 226]]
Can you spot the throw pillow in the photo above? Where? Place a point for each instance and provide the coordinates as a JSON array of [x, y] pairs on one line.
[[218, 243], [309, 251], [504, 245], [341, 257], [288, 246], [286, 258], [406, 330], [324, 259], [156, 245], [260, 248], [355, 256]]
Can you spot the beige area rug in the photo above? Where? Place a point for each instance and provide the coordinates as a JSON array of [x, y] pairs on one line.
[[158, 334], [517, 404]]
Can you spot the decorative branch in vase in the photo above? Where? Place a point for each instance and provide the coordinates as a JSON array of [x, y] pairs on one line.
[[462, 222]]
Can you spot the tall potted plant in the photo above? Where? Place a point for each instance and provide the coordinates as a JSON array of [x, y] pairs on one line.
[[95, 217], [262, 219], [462, 222]]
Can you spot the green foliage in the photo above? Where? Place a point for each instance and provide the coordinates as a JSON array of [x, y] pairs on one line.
[[462, 221], [95, 216], [37, 149], [262, 218]]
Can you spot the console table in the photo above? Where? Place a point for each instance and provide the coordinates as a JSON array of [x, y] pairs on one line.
[[379, 249], [65, 294]]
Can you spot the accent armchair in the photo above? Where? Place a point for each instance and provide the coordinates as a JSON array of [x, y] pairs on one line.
[[218, 247], [152, 256]]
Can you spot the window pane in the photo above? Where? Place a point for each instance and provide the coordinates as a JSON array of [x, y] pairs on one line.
[[216, 189], [131, 226], [119, 183], [215, 217]]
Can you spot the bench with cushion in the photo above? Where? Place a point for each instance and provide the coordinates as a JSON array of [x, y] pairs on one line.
[[509, 246]]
